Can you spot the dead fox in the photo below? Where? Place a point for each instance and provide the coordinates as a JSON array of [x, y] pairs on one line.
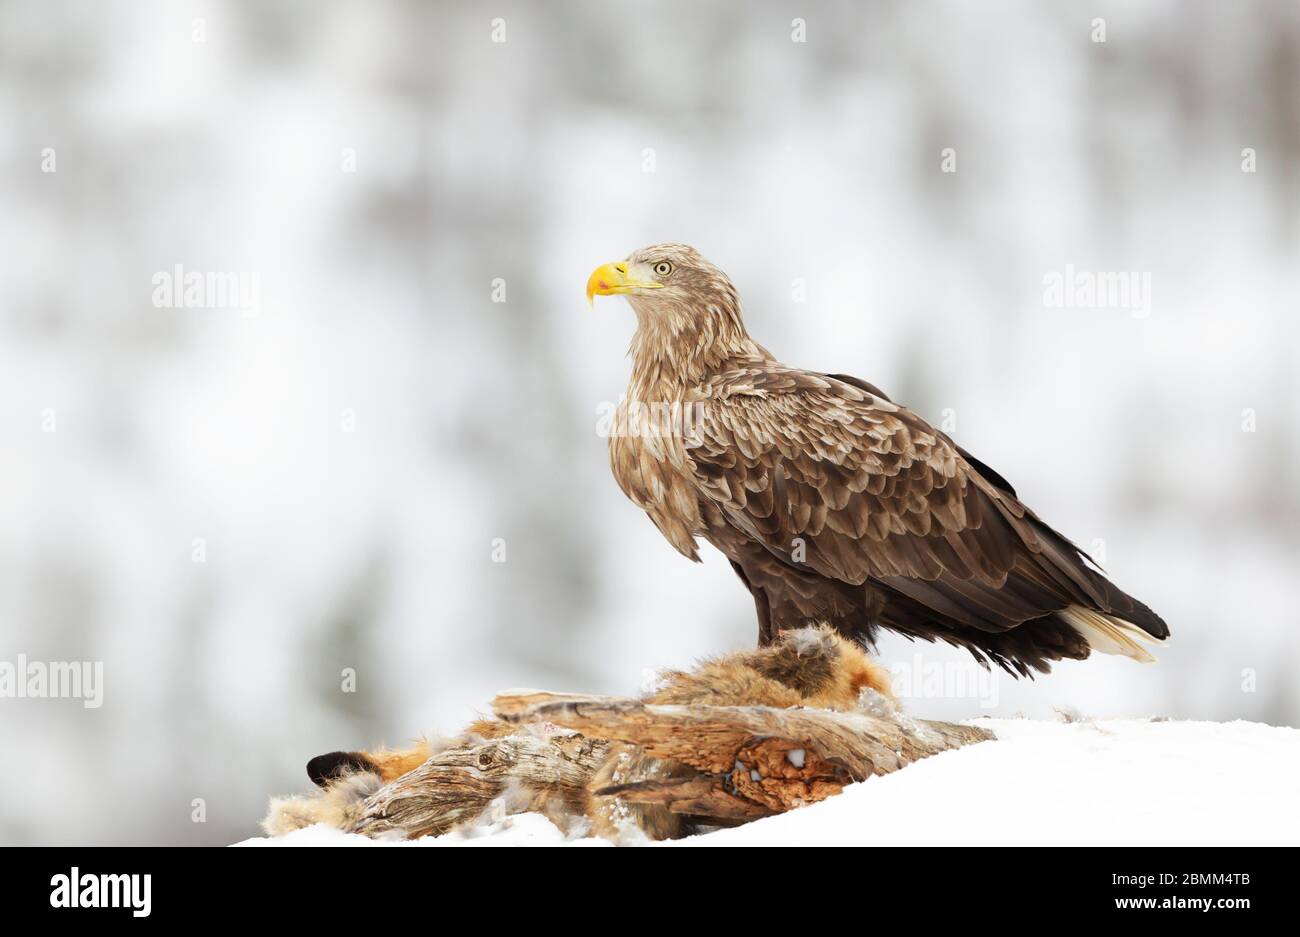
[[813, 667]]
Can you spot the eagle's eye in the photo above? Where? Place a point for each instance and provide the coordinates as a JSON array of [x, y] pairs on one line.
[[663, 268]]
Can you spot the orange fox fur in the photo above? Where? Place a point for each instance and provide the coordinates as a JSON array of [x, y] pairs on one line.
[[812, 667]]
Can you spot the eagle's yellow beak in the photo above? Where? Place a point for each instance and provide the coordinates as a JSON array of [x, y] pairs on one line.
[[608, 279]]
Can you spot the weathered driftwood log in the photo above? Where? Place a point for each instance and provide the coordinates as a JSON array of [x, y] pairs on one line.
[[748, 761], [547, 770]]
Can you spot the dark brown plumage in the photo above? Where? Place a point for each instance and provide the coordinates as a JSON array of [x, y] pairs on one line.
[[833, 503]]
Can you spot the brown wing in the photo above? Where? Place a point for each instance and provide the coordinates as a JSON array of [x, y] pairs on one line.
[[830, 476]]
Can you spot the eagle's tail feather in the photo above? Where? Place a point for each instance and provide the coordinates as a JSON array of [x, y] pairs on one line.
[[1108, 634]]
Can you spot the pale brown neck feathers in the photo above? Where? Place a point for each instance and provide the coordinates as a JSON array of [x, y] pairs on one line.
[[676, 347]]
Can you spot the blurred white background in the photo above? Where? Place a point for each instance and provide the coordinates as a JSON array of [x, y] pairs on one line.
[[349, 453]]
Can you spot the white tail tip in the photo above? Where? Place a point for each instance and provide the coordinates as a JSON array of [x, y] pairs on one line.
[[1107, 634]]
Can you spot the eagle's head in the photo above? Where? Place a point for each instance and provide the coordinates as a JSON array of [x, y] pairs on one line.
[[667, 281], [687, 312]]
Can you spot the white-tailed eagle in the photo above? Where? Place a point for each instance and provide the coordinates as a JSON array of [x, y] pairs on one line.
[[833, 503]]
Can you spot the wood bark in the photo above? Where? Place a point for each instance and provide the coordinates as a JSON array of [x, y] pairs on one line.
[[546, 771], [748, 761]]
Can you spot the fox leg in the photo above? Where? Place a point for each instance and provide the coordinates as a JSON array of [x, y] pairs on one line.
[[392, 763], [389, 764], [345, 780]]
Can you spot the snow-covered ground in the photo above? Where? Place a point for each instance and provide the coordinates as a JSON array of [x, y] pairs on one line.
[[1115, 782]]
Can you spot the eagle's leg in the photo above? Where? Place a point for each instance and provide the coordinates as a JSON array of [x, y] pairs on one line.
[[766, 633]]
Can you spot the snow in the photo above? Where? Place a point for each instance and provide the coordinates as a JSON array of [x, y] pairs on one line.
[[1103, 782], [525, 829]]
